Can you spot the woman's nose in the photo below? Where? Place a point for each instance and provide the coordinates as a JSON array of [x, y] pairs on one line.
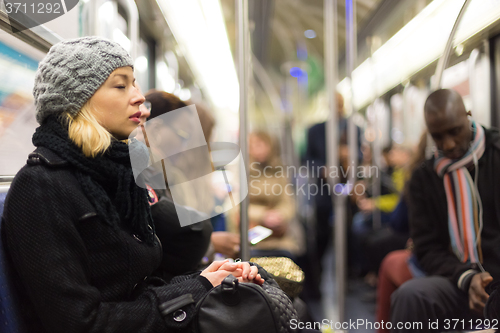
[[138, 97]]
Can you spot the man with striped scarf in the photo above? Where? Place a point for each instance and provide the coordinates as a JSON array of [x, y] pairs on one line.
[[454, 221]]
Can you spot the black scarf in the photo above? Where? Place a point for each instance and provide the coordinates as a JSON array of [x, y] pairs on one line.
[[106, 179]]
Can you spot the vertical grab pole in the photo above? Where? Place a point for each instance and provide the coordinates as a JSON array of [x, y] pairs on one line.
[[243, 74], [332, 153], [351, 56], [376, 154]]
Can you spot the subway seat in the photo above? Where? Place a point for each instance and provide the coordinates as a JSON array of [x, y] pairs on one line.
[[10, 319]]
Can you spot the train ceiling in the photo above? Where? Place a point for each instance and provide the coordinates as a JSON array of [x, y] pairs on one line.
[[278, 26]]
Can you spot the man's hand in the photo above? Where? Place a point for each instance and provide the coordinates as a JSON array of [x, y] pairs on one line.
[[274, 220], [226, 243], [477, 292], [366, 204]]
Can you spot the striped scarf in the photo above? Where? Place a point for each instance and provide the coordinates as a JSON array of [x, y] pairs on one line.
[[462, 196]]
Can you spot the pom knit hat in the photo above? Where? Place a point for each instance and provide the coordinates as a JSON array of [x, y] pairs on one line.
[[72, 72]]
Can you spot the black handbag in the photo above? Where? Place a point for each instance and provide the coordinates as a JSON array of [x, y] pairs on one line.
[[245, 308]]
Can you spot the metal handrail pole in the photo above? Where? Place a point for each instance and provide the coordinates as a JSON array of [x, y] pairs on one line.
[[443, 61], [351, 56], [332, 141], [441, 65], [243, 74]]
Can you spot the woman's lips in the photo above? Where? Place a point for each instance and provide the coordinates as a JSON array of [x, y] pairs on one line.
[[136, 117]]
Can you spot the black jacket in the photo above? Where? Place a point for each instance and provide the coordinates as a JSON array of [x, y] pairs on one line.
[[429, 216], [77, 274]]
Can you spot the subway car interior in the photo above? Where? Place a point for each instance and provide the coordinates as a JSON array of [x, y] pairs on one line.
[[328, 108]]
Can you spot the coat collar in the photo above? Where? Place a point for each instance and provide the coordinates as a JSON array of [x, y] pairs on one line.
[[45, 156]]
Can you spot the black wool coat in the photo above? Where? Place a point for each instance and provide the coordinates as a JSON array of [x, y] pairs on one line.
[[76, 273]]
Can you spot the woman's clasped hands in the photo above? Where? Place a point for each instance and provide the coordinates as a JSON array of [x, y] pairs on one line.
[[217, 271]]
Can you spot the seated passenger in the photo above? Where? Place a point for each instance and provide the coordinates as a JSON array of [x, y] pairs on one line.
[[392, 184], [454, 220], [394, 270], [395, 233], [221, 241], [372, 244], [271, 202], [77, 228]]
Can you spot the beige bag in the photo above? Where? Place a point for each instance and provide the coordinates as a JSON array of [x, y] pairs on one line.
[[287, 274]]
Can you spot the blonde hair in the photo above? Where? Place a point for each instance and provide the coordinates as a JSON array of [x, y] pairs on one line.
[[86, 132]]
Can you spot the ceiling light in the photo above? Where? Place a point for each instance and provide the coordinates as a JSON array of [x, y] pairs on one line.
[[416, 45], [185, 94], [200, 31], [296, 72], [310, 34], [141, 64], [459, 50]]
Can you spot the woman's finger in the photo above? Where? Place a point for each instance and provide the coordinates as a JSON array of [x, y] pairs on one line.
[[237, 272], [245, 266], [229, 266], [216, 265], [253, 272]]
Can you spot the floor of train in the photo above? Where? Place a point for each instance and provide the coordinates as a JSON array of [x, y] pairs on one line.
[[360, 298]]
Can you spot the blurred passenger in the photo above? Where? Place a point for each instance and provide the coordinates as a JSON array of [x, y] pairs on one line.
[[271, 201], [222, 241], [394, 268], [387, 165], [176, 259], [454, 219], [315, 157], [398, 159], [373, 244], [77, 228]]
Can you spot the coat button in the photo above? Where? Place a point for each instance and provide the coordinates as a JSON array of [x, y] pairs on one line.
[[179, 315]]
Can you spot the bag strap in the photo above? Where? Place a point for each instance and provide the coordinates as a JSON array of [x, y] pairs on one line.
[[229, 285]]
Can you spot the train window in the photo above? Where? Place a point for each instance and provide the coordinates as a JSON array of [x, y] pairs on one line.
[[122, 23], [414, 97], [142, 65], [17, 116], [164, 78], [106, 15], [471, 79], [113, 24]]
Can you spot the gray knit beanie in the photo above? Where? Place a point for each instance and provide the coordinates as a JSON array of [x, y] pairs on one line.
[[72, 72]]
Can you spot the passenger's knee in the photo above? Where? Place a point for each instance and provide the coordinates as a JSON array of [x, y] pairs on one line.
[[389, 260], [394, 262], [409, 291], [408, 301]]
